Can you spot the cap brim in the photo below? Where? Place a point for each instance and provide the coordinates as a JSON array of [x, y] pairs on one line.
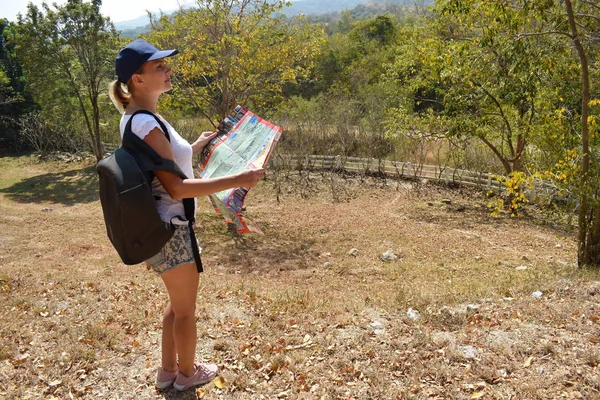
[[162, 54]]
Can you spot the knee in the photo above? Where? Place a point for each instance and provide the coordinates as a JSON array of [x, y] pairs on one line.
[[185, 312], [168, 315]]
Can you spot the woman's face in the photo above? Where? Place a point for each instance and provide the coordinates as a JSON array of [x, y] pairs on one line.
[[156, 76]]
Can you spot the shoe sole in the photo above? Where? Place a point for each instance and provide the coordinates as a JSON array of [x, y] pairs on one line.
[[182, 388], [163, 385]]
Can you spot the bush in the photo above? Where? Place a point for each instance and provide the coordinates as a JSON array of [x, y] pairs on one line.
[[44, 138]]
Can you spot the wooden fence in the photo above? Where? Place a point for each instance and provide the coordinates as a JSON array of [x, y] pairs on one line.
[[404, 170]]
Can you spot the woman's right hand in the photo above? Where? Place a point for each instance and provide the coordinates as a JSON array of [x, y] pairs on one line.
[[250, 177]]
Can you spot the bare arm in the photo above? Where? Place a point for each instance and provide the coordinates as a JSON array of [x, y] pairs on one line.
[[179, 188]]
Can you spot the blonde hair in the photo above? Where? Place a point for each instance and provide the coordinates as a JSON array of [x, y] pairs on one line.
[[119, 95]]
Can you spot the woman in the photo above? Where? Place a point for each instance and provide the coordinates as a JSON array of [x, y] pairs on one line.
[[141, 68]]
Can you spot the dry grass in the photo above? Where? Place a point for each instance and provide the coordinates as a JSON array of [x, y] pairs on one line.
[[291, 314]]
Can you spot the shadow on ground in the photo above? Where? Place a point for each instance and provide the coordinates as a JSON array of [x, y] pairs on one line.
[[68, 188]]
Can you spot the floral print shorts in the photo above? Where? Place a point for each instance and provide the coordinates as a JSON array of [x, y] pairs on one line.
[[177, 251]]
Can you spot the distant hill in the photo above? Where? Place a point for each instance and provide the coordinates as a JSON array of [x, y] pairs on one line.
[[316, 7], [141, 24]]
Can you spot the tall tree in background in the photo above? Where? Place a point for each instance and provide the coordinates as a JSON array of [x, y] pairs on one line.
[[14, 100], [68, 53], [478, 79], [579, 22], [234, 51]]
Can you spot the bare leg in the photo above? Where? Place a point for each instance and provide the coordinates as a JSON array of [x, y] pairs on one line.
[[169, 352], [182, 285]]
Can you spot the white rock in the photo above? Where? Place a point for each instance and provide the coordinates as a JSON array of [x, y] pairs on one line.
[[413, 314], [472, 307], [388, 256], [469, 352], [353, 252], [537, 294], [521, 268], [327, 264], [376, 325]]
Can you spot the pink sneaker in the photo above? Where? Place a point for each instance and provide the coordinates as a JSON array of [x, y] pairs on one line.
[[165, 379], [204, 374]]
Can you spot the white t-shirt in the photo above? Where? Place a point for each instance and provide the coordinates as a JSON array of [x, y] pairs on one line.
[[182, 152]]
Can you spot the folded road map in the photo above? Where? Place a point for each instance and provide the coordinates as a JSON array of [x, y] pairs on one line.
[[244, 141]]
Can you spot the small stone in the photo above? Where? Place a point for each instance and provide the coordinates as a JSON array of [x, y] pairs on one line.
[[469, 352], [460, 208], [472, 307], [379, 332], [353, 252], [376, 325], [524, 258], [46, 209], [413, 314], [430, 203], [537, 294], [446, 201], [388, 256], [478, 258], [559, 246], [507, 299], [327, 264], [521, 268]]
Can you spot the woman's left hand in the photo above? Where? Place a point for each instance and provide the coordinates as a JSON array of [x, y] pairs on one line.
[[203, 140]]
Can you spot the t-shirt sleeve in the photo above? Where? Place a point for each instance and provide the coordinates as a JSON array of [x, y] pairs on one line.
[[142, 124]]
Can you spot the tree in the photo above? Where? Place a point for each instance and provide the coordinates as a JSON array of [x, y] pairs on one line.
[[235, 51], [478, 79], [578, 21], [68, 54], [14, 100]]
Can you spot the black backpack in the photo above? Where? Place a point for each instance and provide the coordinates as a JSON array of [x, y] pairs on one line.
[[132, 221]]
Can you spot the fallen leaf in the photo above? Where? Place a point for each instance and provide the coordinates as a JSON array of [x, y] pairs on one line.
[[477, 395], [220, 382], [527, 362], [594, 318], [200, 393], [20, 360]]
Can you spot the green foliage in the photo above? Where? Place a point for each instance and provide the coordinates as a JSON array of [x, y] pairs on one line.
[[235, 52], [14, 100], [67, 52]]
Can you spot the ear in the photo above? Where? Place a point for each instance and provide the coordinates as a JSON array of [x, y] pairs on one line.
[[137, 79]]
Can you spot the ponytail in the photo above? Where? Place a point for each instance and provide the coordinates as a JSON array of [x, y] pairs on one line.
[[119, 96]]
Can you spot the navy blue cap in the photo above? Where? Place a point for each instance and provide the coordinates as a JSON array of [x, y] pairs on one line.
[[134, 55]]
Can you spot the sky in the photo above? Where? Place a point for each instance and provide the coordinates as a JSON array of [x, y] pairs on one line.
[[117, 10]]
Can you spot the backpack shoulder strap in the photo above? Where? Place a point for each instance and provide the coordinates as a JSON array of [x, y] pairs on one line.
[[148, 159], [162, 125]]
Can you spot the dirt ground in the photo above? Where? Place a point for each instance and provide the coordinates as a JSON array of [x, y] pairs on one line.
[[472, 307]]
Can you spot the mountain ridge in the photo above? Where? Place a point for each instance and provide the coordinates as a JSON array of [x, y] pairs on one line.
[[306, 7]]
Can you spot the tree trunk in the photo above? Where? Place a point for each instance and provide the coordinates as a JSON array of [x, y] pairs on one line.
[[587, 240]]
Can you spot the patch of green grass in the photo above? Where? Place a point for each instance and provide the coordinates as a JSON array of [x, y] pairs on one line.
[[26, 180]]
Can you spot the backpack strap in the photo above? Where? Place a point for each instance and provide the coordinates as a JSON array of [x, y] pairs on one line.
[[149, 161]]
